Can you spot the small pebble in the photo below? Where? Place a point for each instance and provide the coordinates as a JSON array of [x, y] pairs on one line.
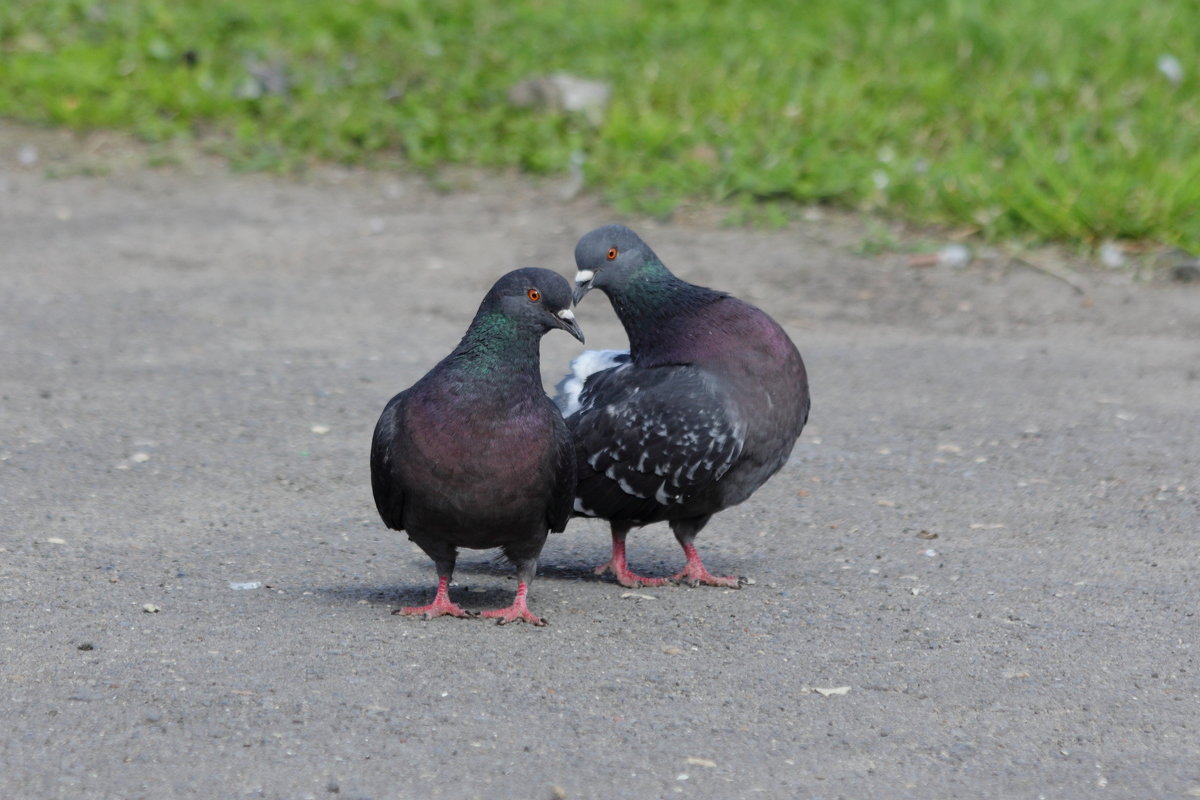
[[1171, 68], [956, 256], [150, 608], [1111, 255]]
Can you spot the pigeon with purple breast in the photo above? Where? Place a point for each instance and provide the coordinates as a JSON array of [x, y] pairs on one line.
[[704, 407], [475, 454]]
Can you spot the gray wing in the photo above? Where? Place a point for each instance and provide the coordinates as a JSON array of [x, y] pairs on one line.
[[558, 512], [386, 485]]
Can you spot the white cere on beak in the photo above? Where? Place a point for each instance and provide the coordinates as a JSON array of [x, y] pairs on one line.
[[584, 275], [566, 313]]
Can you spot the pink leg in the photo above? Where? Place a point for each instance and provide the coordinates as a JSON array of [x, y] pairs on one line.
[[517, 612], [695, 574], [620, 571], [441, 605]]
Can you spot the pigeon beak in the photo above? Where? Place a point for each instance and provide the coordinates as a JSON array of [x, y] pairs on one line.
[[583, 282], [566, 321]]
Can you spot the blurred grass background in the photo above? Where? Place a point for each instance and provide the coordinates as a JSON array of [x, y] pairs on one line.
[[1073, 120]]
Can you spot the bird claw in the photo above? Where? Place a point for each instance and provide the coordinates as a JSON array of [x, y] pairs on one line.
[[436, 609], [503, 616], [629, 580], [697, 576]]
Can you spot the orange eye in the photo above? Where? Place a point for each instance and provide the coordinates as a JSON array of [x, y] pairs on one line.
[[534, 295], [612, 253]]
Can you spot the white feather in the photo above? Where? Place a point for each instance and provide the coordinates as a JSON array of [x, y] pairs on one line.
[[627, 488], [585, 364]]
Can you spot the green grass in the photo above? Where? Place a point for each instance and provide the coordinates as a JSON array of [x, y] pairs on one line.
[[1038, 119]]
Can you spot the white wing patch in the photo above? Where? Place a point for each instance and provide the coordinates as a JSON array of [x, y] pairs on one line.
[[582, 366]]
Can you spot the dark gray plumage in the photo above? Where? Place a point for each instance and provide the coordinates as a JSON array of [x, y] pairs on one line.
[[706, 406], [475, 454]]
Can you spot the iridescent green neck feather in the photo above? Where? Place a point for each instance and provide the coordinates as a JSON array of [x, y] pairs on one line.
[[650, 298], [496, 346]]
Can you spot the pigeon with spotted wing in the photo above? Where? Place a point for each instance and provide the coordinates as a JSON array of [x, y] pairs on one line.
[[475, 454], [702, 410]]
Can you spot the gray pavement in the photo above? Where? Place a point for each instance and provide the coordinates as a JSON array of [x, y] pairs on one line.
[[977, 576]]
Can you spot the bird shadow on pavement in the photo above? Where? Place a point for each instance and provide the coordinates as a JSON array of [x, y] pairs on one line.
[[418, 591], [391, 595], [560, 571], [471, 597]]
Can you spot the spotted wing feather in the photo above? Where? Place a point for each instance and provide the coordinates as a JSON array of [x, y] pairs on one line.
[[651, 440]]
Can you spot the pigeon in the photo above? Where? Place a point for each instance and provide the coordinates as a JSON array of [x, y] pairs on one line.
[[475, 454], [704, 407]]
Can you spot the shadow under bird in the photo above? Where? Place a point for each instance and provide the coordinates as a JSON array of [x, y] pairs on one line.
[[475, 454], [704, 407]]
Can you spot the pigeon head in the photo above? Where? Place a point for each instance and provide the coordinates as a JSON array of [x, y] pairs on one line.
[[533, 299], [611, 259]]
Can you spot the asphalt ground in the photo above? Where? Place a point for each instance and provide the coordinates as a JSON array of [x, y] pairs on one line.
[[976, 577]]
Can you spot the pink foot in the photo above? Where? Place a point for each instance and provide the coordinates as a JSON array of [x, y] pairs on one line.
[[440, 607], [694, 574], [517, 612], [621, 572], [629, 580]]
